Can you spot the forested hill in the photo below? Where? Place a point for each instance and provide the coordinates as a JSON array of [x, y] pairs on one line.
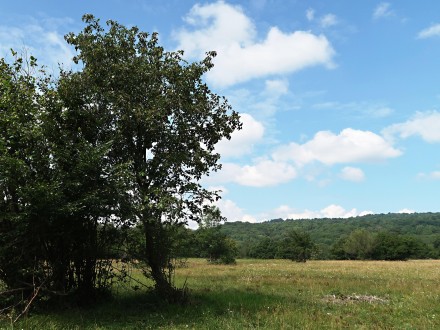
[[326, 232]]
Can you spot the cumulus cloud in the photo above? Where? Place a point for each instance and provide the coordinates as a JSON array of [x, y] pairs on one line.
[[331, 211], [242, 141], [263, 173], [348, 146], [241, 55], [406, 211], [212, 27], [232, 212], [432, 31], [228, 208], [352, 174], [423, 124], [382, 10]]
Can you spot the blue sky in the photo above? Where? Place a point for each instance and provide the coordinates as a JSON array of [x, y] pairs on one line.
[[340, 100]]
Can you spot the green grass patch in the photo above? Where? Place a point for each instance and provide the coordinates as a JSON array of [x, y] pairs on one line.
[[270, 294]]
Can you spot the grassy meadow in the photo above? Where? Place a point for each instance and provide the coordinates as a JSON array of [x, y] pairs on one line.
[[270, 294]]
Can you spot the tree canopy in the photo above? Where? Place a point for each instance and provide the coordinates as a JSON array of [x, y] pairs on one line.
[[122, 140]]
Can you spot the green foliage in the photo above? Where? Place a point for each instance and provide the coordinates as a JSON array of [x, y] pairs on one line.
[[362, 245], [122, 141], [266, 248], [265, 241], [296, 246], [260, 240], [216, 246], [389, 246], [162, 123], [358, 245], [212, 243], [58, 191]]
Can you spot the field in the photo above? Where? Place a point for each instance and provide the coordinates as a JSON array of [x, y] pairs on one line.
[[272, 294]]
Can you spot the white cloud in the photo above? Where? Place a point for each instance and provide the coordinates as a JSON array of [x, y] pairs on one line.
[[264, 104], [213, 27], [424, 124], [382, 10], [432, 31], [263, 173], [310, 14], [331, 211], [276, 88], [337, 211], [347, 147], [352, 174], [192, 224], [223, 191], [228, 208], [232, 212], [407, 211], [241, 56], [242, 141], [43, 42], [328, 20]]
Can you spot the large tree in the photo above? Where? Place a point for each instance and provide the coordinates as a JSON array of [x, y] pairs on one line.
[[163, 123]]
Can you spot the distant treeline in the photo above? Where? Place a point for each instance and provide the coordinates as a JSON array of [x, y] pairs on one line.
[[371, 237], [382, 236]]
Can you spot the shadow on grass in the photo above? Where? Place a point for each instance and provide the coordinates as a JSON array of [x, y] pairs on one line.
[[143, 310]]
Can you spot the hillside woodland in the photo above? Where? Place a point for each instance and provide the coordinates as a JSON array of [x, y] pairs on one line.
[[371, 237], [381, 236]]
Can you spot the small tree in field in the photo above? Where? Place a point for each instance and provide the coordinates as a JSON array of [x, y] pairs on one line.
[[296, 246], [215, 245], [359, 244]]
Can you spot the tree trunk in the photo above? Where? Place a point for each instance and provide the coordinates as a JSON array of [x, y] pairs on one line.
[[158, 258]]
